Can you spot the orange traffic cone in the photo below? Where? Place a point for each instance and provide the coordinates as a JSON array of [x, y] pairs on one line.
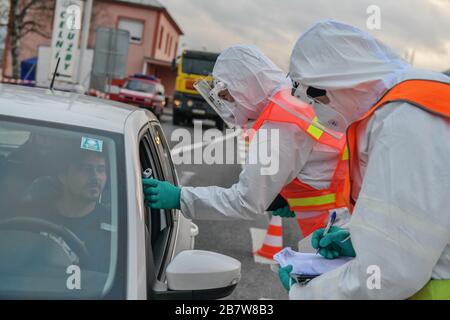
[[273, 241]]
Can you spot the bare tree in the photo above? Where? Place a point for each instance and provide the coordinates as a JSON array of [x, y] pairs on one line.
[[25, 17], [4, 11]]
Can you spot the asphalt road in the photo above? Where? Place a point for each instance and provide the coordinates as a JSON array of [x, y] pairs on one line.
[[233, 238]]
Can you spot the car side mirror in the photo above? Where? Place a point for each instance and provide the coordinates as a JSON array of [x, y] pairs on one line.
[[197, 274]]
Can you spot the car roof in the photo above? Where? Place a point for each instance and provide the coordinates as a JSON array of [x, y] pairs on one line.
[[64, 108]]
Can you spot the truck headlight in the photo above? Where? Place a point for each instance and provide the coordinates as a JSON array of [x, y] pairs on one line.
[[190, 103], [177, 103]]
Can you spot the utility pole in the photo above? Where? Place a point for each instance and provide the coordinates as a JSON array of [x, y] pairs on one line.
[[84, 38], [7, 40]]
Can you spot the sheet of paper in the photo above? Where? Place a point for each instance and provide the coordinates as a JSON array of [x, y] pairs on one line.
[[308, 264]]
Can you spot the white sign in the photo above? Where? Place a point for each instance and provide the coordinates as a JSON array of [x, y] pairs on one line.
[[65, 39]]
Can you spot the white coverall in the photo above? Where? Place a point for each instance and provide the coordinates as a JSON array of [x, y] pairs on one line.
[[401, 222], [251, 78]]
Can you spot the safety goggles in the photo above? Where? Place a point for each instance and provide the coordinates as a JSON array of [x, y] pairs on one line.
[[306, 92]]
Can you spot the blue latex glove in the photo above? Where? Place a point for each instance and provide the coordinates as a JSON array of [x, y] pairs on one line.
[[285, 278], [331, 244], [161, 194], [284, 213]]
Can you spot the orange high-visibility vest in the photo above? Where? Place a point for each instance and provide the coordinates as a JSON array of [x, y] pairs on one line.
[[429, 95], [285, 108]]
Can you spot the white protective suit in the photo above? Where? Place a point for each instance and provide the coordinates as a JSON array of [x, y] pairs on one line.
[[401, 222], [251, 79]]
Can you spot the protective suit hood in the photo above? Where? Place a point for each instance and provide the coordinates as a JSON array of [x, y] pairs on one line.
[[251, 78], [353, 67]]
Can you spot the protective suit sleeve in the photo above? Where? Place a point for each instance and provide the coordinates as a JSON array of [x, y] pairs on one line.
[[400, 224], [260, 180]]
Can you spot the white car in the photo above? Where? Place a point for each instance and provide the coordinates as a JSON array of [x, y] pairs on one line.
[[73, 220]]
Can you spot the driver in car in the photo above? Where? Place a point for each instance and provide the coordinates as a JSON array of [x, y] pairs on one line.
[[76, 190]]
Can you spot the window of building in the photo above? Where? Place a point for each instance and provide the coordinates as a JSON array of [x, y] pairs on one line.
[[134, 27], [170, 45], [167, 43], [175, 49], [161, 34]]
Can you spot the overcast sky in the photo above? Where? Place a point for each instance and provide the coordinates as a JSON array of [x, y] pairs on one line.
[[274, 25]]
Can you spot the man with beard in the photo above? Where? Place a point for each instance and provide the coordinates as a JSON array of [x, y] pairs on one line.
[[74, 204]]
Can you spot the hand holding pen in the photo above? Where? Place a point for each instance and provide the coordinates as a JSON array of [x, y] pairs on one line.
[[333, 242], [330, 223]]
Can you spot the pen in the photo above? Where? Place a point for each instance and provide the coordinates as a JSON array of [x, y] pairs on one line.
[[328, 227]]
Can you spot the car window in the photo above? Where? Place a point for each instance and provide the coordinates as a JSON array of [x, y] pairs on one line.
[[158, 222], [59, 211], [141, 86], [197, 66], [163, 148]]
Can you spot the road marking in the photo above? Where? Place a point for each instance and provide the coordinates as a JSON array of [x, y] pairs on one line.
[[166, 117], [186, 176], [258, 236]]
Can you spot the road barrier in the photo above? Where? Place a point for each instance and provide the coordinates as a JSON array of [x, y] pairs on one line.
[[17, 81], [99, 94]]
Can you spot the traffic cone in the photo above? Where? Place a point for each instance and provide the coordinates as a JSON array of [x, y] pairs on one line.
[[273, 241]]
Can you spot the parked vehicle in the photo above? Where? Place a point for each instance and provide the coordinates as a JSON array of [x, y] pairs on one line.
[[187, 102], [145, 92], [73, 222]]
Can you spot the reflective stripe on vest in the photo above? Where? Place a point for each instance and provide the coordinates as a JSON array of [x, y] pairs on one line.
[[314, 131], [320, 199], [285, 108], [434, 290], [312, 201], [428, 95]]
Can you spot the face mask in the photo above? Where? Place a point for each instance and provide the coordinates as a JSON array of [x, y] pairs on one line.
[[349, 103], [228, 113], [327, 116]]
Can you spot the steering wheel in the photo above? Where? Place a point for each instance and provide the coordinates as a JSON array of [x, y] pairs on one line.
[[72, 246]]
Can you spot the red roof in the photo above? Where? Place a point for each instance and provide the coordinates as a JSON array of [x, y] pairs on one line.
[[156, 5]]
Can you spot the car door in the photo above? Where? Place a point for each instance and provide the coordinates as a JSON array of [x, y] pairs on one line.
[[164, 227], [159, 224], [185, 230], [168, 174]]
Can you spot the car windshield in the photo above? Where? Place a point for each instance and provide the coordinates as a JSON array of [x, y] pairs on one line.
[[140, 85], [59, 222], [197, 66]]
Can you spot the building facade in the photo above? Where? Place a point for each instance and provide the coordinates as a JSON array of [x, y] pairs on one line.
[[154, 37]]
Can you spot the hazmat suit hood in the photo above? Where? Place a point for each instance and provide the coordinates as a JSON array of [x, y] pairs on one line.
[[353, 67], [251, 78]]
